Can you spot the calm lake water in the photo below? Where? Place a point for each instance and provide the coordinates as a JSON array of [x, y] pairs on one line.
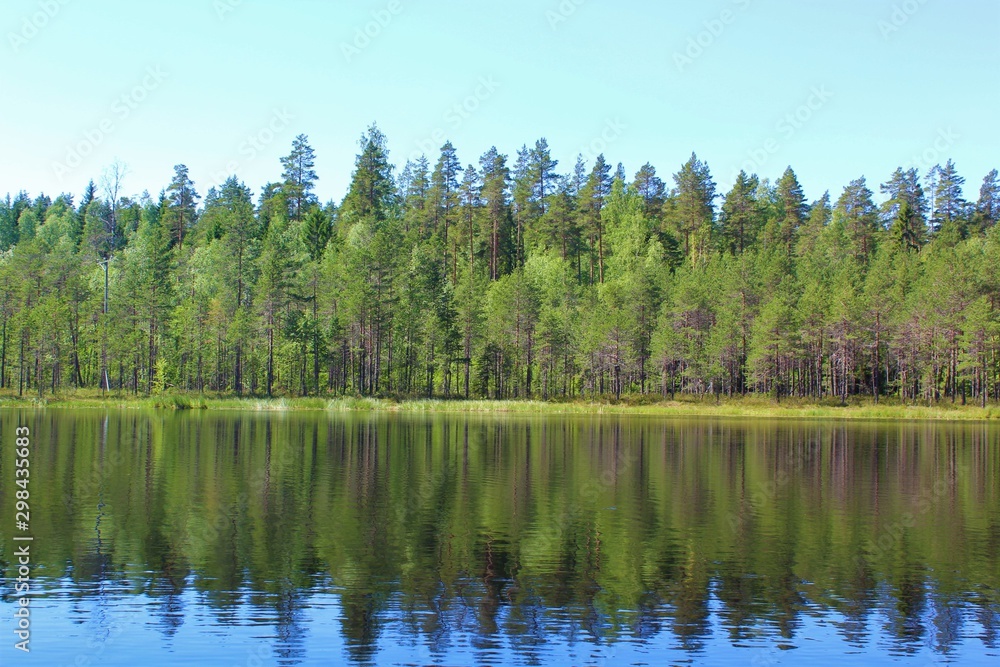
[[230, 539]]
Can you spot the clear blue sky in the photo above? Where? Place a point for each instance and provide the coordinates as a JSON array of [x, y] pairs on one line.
[[888, 80]]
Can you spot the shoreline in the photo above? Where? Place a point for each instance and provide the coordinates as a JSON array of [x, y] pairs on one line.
[[743, 407]]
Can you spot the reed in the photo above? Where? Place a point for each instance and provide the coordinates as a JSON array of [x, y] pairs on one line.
[[687, 406]]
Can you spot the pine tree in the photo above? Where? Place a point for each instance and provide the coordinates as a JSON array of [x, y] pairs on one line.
[[558, 229], [183, 200], [21, 203], [146, 273], [8, 225], [950, 206], [579, 178], [903, 187], [543, 176], [739, 220], [592, 200], [653, 192], [444, 198], [908, 229], [691, 206], [793, 209], [275, 267], [469, 203], [299, 177], [372, 190], [414, 189], [523, 187], [820, 215], [857, 213], [496, 200], [774, 341], [317, 230], [988, 207], [460, 282]]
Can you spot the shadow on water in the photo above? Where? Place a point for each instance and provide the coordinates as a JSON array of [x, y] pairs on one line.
[[478, 537]]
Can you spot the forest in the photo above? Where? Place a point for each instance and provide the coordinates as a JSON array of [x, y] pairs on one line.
[[506, 278]]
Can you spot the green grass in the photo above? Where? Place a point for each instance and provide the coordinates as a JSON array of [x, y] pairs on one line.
[[754, 407], [742, 407]]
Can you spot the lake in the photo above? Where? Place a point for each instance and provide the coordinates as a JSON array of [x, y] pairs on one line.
[[228, 538]]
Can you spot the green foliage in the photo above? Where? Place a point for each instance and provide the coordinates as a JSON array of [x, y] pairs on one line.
[[496, 281], [299, 177], [690, 207]]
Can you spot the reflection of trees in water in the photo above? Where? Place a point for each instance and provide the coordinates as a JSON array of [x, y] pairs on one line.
[[948, 623], [512, 531], [166, 589], [909, 603], [988, 616], [289, 645], [688, 601], [498, 571]]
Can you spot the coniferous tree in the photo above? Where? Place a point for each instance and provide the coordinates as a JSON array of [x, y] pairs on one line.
[[299, 177], [620, 173], [792, 207], [414, 189], [317, 230], [988, 206], [89, 195], [903, 188], [592, 200], [523, 185], [97, 230], [20, 204], [182, 202], [907, 230], [950, 207], [8, 224], [473, 282], [857, 213], [740, 216], [653, 191], [691, 207], [444, 199], [372, 190], [543, 176], [810, 236], [495, 197]]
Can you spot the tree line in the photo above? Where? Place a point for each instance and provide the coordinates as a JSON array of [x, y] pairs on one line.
[[505, 278]]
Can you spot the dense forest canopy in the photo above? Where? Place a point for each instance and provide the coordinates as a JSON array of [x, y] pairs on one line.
[[506, 278]]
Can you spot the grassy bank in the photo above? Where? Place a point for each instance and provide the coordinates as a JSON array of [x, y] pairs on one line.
[[755, 407]]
